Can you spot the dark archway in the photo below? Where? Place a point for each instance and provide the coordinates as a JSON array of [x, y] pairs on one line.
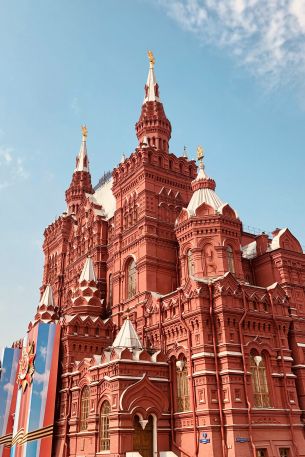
[[143, 439]]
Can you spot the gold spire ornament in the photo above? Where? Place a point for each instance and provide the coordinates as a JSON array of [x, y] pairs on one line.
[[200, 155], [151, 58], [84, 132]]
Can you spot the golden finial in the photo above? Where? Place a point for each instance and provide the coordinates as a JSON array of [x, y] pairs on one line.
[[200, 155], [84, 132], [151, 58]]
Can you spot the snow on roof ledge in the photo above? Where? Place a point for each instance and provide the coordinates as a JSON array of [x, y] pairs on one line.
[[275, 243], [249, 250], [104, 197]]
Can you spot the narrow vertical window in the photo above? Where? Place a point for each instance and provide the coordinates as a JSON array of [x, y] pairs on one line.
[[259, 381], [230, 259], [110, 294], [104, 427], [131, 278], [183, 396], [190, 263], [84, 409]]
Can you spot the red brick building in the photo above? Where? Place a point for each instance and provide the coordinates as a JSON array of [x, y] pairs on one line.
[[182, 334]]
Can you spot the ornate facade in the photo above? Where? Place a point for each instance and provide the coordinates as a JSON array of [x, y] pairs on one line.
[[181, 333]]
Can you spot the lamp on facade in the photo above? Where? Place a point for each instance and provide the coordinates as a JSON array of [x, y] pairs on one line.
[[258, 359], [143, 423], [180, 364]]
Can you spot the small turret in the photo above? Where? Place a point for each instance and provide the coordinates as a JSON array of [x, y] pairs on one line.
[[127, 337], [46, 310], [203, 188], [86, 298]]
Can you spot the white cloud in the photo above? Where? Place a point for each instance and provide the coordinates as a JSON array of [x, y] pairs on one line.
[[75, 105], [43, 351], [9, 387], [41, 377], [267, 36], [12, 167], [44, 392]]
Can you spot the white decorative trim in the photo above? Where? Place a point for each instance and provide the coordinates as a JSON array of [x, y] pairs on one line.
[[203, 354], [281, 375], [301, 345], [286, 358], [298, 366], [133, 378], [203, 372], [228, 371], [111, 362], [230, 353]]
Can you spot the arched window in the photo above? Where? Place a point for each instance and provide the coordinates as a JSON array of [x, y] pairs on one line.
[[190, 263], [183, 396], [259, 380], [230, 259], [131, 278], [84, 408], [110, 293], [104, 427]]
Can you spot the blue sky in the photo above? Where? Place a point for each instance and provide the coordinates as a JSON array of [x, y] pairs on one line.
[[231, 78]]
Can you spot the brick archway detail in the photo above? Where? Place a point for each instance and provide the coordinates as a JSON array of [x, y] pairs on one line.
[[145, 395]]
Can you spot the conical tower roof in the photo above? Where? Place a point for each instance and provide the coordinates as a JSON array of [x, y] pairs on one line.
[[203, 189], [87, 273], [127, 337], [46, 310]]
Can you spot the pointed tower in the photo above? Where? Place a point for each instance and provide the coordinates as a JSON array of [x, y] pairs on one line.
[[86, 298], [151, 186], [127, 337], [153, 127], [81, 179], [46, 310]]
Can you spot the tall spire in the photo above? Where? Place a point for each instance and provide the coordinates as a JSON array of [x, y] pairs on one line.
[[153, 128], [81, 179], [151, 88], [82, 162]]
